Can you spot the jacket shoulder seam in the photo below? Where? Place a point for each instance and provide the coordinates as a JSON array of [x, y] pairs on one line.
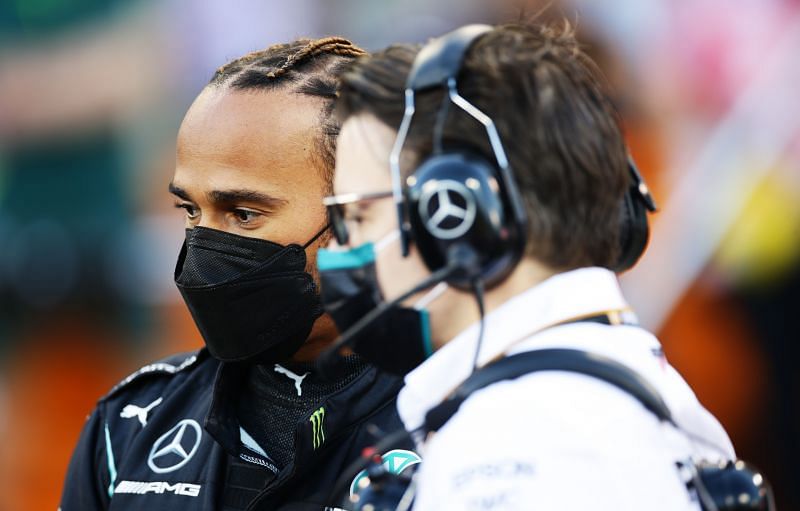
[[169, 366]]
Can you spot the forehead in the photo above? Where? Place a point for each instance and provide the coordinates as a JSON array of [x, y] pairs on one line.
[[362, 156], [253, 135]]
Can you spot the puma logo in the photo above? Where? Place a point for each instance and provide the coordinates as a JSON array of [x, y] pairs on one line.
[[298, 380], [140, 413]]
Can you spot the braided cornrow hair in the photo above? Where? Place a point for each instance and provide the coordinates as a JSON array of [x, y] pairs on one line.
[[308, 66]]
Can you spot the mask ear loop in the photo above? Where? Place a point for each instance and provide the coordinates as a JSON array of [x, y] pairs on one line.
[[316, 236], [431, 296], [387, 240]]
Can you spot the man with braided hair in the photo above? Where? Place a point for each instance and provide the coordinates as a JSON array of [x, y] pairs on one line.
[[246, 422]]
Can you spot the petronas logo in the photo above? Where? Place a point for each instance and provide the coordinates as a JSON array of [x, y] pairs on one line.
[[318, 435], [395, 462]]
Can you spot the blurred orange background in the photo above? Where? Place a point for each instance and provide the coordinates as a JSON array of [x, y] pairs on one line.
[[91, 96]]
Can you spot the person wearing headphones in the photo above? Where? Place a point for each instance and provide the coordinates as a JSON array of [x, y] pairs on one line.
[[489, 166]]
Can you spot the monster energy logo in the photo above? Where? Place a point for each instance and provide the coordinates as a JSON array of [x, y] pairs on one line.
[[318, 436]]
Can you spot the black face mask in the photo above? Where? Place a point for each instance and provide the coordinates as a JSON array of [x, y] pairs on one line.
[[251, 299], [397, 342]]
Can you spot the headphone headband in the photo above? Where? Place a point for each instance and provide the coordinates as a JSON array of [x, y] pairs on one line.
[[496, 220], [489, 196], [441, 58]]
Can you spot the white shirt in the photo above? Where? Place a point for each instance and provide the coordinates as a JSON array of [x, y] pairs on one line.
[[558, 440]]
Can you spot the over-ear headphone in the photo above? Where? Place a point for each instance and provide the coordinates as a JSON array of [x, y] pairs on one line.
[[457, 200], [634, 229]]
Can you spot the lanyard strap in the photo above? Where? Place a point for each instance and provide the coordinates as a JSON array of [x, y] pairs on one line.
[[501, 367], [612, 317], [576, 361]]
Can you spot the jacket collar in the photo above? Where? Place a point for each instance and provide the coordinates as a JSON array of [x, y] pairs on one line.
[[562, 297], [333, 417]]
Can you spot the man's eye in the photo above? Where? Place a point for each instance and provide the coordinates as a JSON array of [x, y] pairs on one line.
[[245, 216], [354, 215], [191, 211]]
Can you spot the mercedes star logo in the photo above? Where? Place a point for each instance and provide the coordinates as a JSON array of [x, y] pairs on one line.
[[175, 448], [447, 209]]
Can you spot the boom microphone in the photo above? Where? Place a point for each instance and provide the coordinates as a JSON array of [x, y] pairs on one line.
[[462, 262]]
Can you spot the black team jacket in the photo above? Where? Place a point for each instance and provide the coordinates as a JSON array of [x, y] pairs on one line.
[[167, 438]]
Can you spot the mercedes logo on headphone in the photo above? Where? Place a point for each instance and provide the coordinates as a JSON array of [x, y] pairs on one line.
[[175, 448], [447, 209]]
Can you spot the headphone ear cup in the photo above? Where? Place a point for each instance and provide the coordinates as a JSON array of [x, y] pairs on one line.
[[454, 199], [634, 230]]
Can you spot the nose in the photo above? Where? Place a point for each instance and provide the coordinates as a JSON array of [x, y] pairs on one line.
[[211, 221]]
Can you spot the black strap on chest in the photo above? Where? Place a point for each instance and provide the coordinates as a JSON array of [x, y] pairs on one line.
[[576, 361]]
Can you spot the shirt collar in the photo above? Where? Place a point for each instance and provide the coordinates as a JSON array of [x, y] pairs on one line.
[[562, 297], [335, 414]]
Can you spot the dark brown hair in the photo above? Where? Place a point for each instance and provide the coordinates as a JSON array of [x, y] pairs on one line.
[[311, 67], [559, 128]]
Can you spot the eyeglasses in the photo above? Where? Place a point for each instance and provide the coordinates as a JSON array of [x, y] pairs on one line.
[[335, 204]]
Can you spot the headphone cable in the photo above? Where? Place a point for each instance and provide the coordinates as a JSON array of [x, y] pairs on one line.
[[478, 289]]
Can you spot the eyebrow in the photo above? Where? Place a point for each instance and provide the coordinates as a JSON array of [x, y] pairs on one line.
[[179, 192], [233, 196], [229, 196]]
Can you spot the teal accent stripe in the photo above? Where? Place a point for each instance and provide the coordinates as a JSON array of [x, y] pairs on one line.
[[112, 469], [345, 259], [425, 324]]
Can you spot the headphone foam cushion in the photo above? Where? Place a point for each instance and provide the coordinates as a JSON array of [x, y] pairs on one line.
[[634, 230]]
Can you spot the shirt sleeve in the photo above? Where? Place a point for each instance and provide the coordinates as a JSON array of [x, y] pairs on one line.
[[90, 471]]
